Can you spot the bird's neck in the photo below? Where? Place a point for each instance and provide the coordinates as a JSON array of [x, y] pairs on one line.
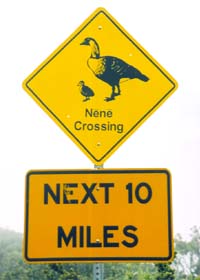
[[95, 52]]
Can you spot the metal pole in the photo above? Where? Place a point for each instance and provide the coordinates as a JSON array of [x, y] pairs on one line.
[[98, 271], [98, 268], [98, 166]]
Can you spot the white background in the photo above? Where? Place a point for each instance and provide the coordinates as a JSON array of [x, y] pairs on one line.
[[170, 138]]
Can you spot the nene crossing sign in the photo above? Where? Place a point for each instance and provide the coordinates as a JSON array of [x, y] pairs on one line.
[[100, 85], [98, 215]]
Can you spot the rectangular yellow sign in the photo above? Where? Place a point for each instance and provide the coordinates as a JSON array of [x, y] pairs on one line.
[[98, 215]]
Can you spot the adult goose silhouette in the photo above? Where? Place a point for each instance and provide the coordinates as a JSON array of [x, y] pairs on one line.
[[110, 69]]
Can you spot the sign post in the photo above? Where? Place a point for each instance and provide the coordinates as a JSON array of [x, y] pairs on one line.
[[98, 271], [99, 94], [98, 268]]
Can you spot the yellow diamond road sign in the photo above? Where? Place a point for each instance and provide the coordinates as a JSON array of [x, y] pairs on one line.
[[98, 215], [100, 85]]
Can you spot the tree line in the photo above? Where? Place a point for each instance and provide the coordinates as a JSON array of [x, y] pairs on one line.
[[186, 265]]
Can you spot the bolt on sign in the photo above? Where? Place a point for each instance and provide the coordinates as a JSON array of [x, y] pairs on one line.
[[100, 85], [98, 215]]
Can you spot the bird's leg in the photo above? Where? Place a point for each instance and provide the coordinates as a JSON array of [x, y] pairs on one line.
[[114, 93], [86, 99], [118, 90], [112, 97]]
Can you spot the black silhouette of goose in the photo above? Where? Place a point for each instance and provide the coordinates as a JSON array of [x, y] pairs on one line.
[[110, 69], [85, 90]]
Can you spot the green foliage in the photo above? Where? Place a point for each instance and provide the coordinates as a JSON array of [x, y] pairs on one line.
[[188, 255], [129, 271], [165, 272]]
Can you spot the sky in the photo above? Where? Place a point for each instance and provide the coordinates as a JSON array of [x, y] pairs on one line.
[[170, 138]]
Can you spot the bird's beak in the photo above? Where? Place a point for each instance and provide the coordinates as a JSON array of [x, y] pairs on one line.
[[84, 43]]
